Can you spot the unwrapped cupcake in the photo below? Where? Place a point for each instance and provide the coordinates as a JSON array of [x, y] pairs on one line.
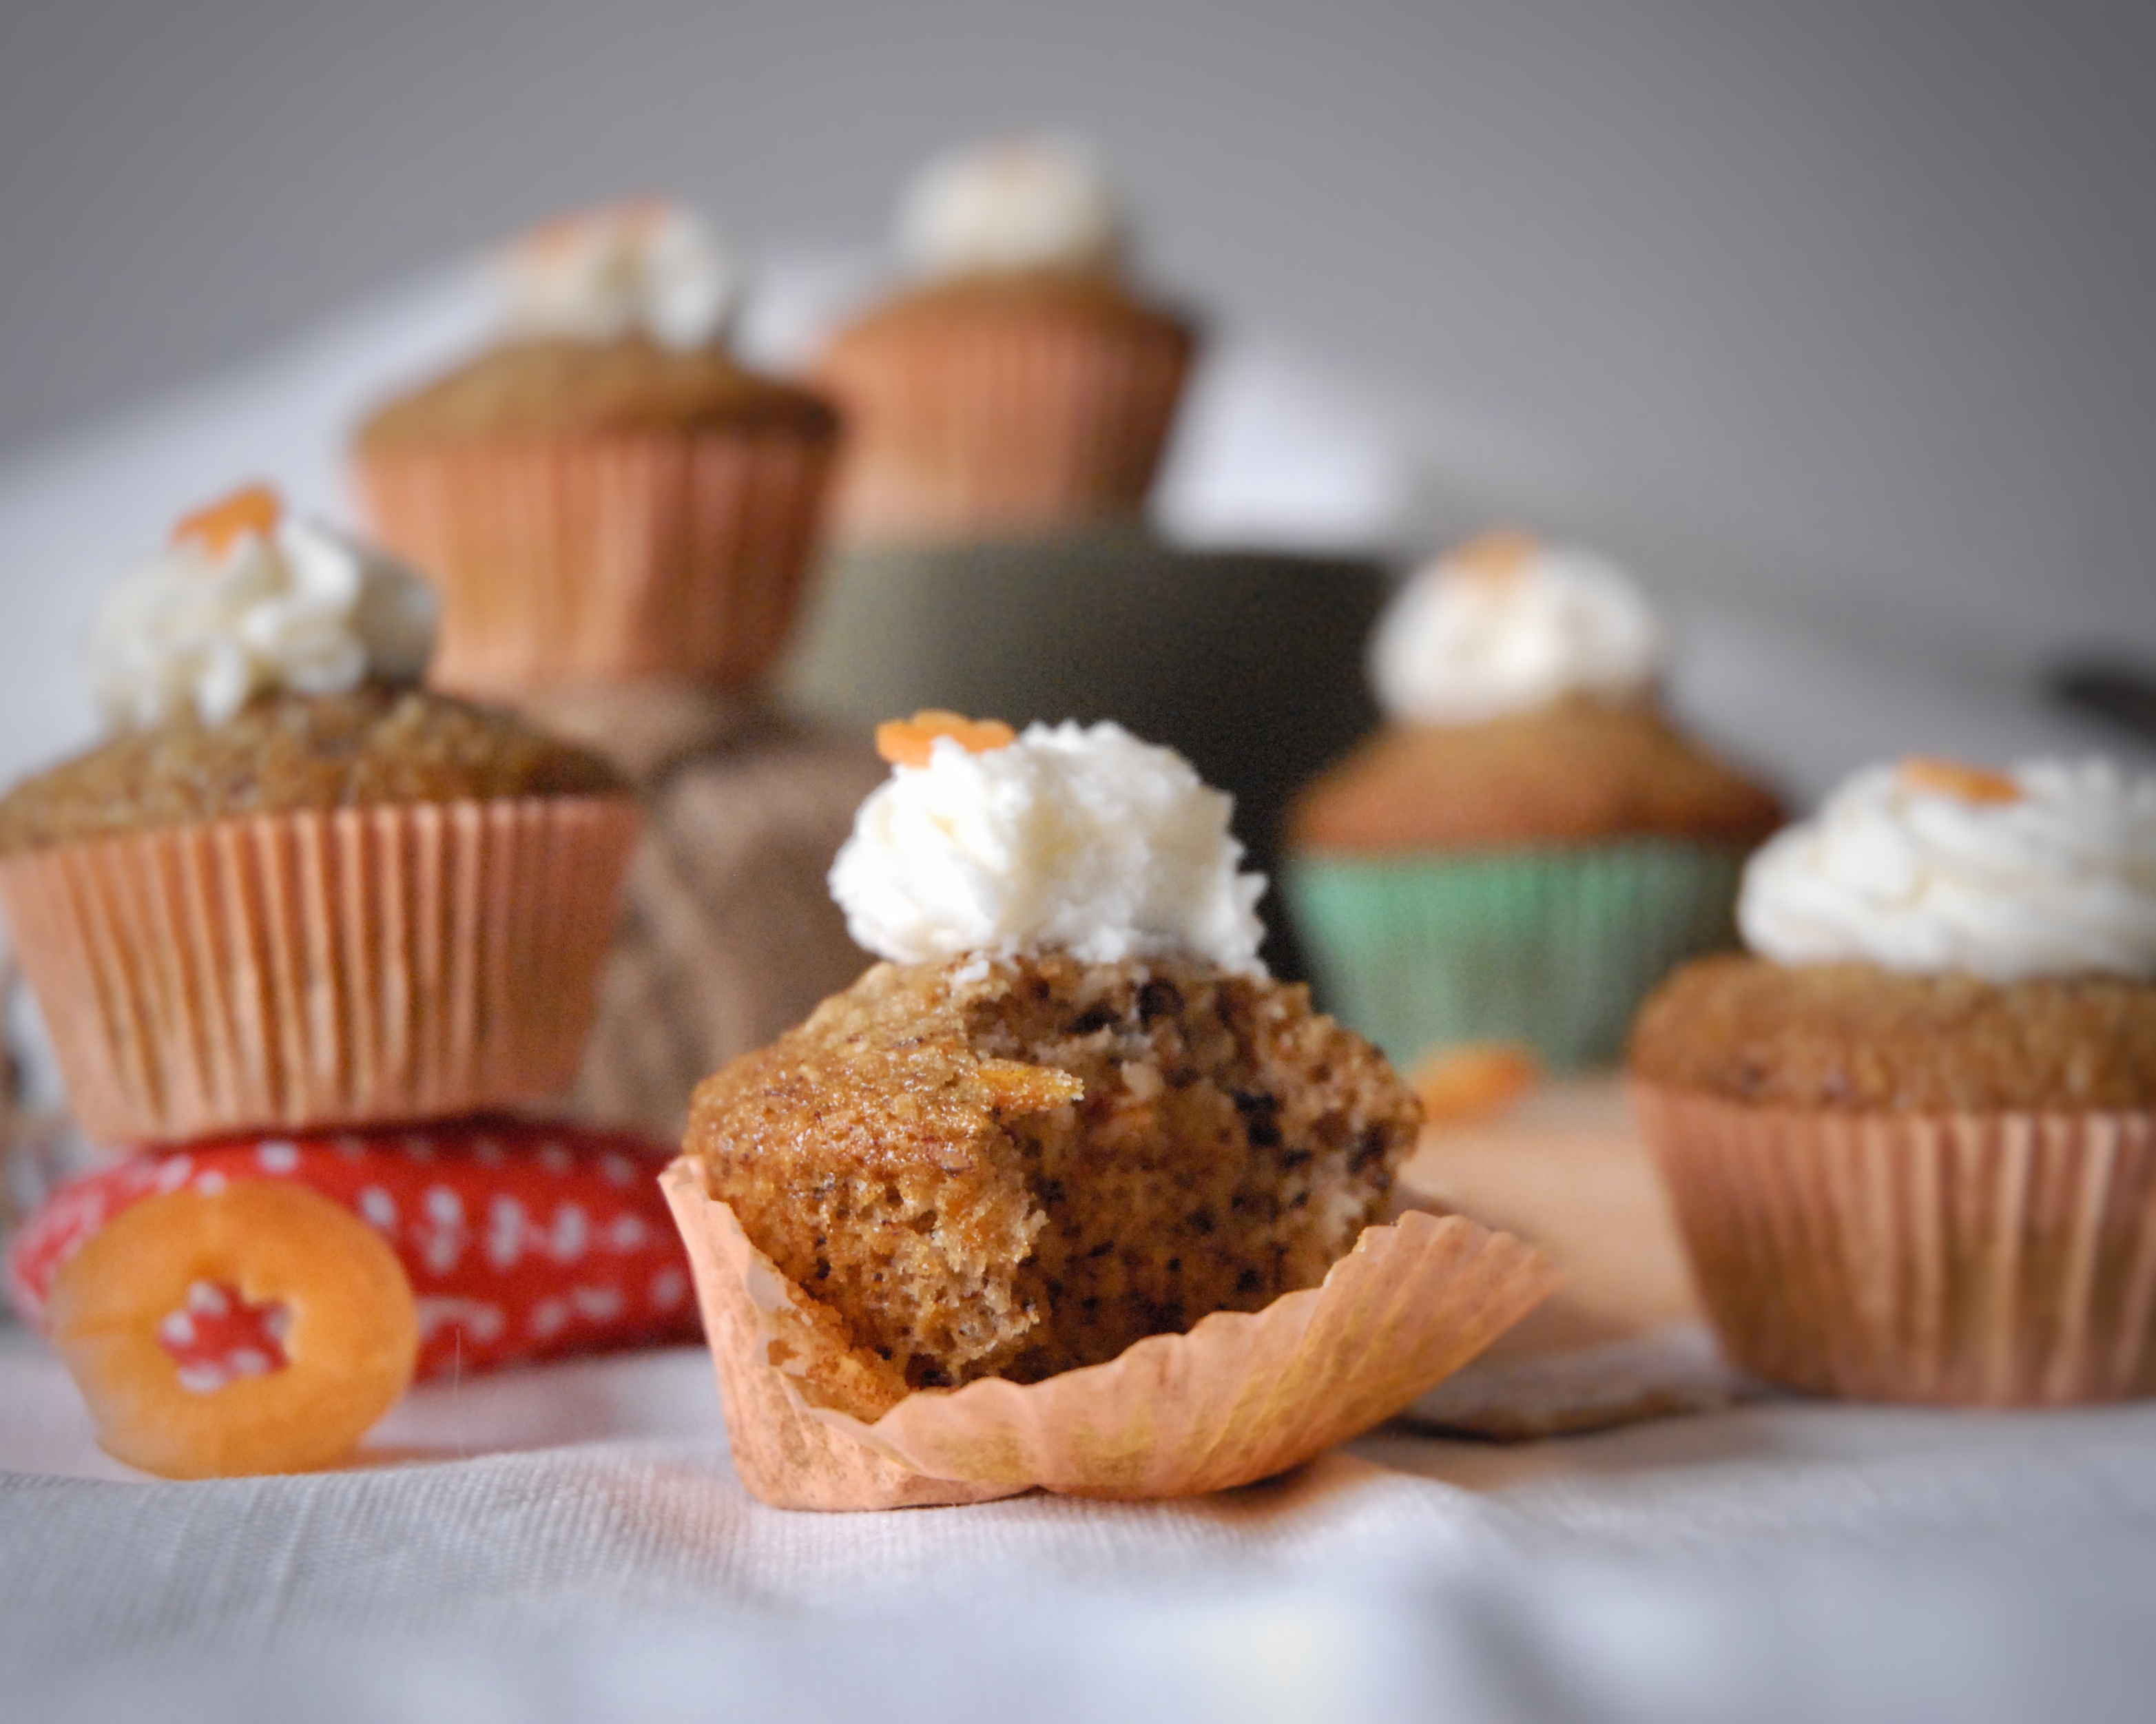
[[1529, 844], [1067, 1193], [1912, 1137], [607, 493], [294, 890], [1021, 384]]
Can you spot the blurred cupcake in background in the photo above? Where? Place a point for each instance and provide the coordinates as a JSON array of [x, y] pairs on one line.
[[295, 890], [1529, 844], [1021, 386], [1911, 1139], [607, 494]]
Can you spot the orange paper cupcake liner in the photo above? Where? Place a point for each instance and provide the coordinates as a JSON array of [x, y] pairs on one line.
[[989, 432], [1238, 1397], [322, 969], [2000, 1259], [576, 561]]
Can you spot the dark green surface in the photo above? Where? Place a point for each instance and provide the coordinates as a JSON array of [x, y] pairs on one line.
[[1250, 664]]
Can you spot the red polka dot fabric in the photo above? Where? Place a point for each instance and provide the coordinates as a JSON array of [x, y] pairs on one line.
[[523, 1239]]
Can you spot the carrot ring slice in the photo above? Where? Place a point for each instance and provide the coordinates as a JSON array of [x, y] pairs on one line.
[[350, 1349]]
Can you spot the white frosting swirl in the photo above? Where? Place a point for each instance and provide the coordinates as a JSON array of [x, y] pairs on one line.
[[297, 607], [649, 269], [1081, 838], [1505, 624], [1030, 203], [2050, 872]]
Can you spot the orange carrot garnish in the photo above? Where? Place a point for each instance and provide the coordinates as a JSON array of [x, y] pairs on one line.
[[906, 742], [252, 509], [1956, 779], [1497, 555], [1474, 1081]]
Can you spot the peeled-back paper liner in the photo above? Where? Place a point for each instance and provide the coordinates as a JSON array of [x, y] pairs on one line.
[[565, 562], [998, 426], [1553, 947], [344, 966], [1998, 1259], [1238, 1397]]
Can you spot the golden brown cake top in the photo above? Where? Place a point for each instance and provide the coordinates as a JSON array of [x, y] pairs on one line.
[[1009, 300], [1014, 1168], [1856, 1036], [1572, 772], [547, 386], [285, 752]]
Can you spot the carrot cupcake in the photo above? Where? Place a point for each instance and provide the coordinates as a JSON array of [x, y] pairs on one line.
[[295, 890], [1067, 1191], [1912, 1137], [607, 493], [1530, 843], [1022, 385]]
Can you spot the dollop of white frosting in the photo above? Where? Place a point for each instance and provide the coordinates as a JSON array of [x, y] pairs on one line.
[[1898, 871], [1078, 837], [298, 607], [1028, 203], [649, 269], [1506, 623]]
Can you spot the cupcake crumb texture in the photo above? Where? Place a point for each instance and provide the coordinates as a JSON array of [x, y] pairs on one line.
[[285, 751], [1018, 1167], [1856, 1036]]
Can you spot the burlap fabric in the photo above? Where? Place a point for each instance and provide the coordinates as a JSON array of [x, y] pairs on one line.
[[729, 934]]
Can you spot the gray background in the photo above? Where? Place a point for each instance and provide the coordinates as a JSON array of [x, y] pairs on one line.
[[1860, 293]]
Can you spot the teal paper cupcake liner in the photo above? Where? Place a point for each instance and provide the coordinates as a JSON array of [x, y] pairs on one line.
[[1553, 948]]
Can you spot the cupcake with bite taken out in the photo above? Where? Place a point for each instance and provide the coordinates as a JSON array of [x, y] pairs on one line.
[[1067, 1191], [1530, 843], [1021, 386], [1912, 1135], [294, 890], [606, 494]]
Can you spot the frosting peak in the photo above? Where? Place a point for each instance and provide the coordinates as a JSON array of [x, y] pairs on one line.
[[1027, 203], [1504, 624], [247, 598], [647, 268], [1082, 837], [2048, 870]]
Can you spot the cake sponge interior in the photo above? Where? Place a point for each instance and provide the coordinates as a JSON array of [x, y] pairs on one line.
[[1016, 1167]]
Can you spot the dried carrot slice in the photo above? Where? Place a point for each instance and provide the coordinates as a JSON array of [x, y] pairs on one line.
[[1957, 778], [1498, 555], [1472, 1082], [216, 528], [323, 1331], [908, 741]]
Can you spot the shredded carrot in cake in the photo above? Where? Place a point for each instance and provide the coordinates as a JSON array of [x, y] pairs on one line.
[[1956, 779], [1498, 555], [1473, 1081], [1015, 1087], [252, 509], [906, 742]]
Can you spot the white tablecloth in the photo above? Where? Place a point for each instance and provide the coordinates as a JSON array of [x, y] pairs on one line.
[[572, 1543]]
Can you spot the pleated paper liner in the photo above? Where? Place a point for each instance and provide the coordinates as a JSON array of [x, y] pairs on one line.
[[1005, 426], [573, 561], [2002, 1259], [321, 968], [1238, 1397], [1554, 948]]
